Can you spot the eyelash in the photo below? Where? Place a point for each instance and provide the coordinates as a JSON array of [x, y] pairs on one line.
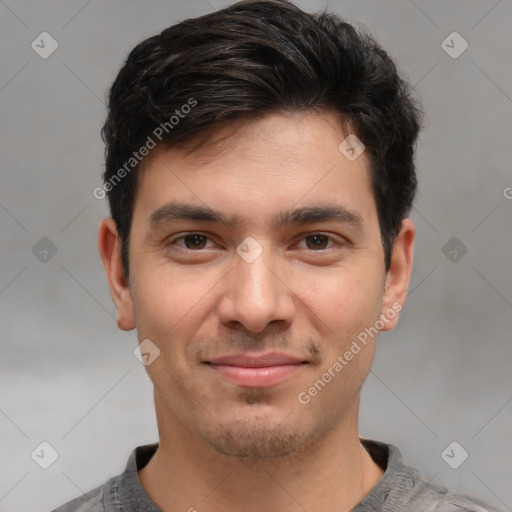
[[182, 237]]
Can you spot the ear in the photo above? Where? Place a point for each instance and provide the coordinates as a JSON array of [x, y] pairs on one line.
[[108, 246], [398, 276]]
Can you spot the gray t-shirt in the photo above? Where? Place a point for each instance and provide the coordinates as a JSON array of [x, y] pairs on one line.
[[401, 488]]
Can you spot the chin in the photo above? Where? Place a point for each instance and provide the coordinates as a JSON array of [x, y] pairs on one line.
[[263, 432]]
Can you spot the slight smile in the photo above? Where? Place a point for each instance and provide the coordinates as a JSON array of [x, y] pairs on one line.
[[256, 371]]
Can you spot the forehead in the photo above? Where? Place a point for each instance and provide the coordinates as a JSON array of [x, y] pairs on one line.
[[256, 168], [300, 136]]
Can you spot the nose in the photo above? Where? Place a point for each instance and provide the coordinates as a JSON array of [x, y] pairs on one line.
[[256, 293]]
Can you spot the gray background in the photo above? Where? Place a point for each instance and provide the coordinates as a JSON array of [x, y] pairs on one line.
[[68, 375]]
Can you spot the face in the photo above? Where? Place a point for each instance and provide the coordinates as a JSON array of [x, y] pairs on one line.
[[256, 265]]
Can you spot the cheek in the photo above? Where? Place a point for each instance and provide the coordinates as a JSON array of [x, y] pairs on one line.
[[344, 301], [343, 307], [164, 296]]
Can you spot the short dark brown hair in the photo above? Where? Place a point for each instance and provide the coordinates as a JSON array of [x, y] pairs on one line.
[[254, 58]]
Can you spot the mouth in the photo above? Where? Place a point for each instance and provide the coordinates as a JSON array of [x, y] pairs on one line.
[[256, 371]]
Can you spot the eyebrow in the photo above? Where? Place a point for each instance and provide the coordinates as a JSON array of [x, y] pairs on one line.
[[307, 214]]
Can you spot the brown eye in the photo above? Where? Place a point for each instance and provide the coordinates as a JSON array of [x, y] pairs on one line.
[[191, 242], [318, 242], [194, 241]]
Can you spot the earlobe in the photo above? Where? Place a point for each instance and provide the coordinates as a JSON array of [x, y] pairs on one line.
[[108, 246], [398, 275]]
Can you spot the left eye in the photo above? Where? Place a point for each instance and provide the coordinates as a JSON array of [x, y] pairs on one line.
[[196, 241], [193, 241], [318, 241]]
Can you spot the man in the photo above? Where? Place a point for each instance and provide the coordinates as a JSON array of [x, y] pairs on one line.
[[259, 171]]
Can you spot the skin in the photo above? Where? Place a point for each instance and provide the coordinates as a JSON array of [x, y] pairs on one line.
[[226, 447]]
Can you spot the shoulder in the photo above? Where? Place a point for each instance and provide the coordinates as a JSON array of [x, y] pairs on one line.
[[432, 497], [403, 488], [92, 500], [115, 494]]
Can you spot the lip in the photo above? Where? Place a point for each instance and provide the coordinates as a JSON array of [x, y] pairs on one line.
[[256, 371], [253, 361]]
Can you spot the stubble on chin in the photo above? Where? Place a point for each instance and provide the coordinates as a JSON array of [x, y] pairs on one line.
[[254, 439]]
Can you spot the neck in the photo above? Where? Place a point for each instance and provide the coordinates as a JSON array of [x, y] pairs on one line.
[[185, 473]]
